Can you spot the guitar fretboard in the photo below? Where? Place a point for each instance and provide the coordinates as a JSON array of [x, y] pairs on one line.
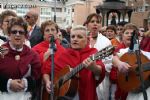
[[76, 70], [73, 72]]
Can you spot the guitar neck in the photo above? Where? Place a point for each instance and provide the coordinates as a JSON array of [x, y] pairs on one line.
[[73, 72]]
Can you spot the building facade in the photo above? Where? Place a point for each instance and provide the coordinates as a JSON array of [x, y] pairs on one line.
[[68, 12], [46, 9], [141, 12], [73, 12], [76, 11]]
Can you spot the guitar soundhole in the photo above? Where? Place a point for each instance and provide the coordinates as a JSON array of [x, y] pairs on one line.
[[127, 76], [60, 82]]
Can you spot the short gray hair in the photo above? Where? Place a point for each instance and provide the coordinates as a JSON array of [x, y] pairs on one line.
[[79, 27]]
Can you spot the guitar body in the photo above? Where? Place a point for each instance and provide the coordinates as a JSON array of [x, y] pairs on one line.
[[131, 81], [68, 89]]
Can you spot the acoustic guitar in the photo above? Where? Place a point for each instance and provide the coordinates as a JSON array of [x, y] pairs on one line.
[[66, 81], [131, 80]]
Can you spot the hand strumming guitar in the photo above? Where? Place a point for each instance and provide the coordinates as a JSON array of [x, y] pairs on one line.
[[91, 65], [122, 66]]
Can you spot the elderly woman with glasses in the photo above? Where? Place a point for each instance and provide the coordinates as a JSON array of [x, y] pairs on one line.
[[19, 65]]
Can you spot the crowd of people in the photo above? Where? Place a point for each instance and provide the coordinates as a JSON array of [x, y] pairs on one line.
[[27, 58]]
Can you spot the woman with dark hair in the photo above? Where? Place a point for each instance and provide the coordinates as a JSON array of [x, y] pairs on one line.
[[19, 65], [98, 41]]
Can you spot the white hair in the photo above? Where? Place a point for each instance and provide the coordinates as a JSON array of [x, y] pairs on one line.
[[80, 27]]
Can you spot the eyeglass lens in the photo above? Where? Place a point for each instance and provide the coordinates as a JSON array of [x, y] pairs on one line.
[[18, 31]]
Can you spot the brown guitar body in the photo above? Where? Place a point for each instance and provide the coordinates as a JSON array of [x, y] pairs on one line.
[[130, 81], [69, 88]]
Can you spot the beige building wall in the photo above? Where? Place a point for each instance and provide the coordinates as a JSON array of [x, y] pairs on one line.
[[93, 4], [140, 18], [79, 14], [81, 11]]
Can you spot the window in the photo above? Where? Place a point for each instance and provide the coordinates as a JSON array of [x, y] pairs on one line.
[[22, 11], [45, 11], [72, 10], [147, 8], [57, 9], [68, 11], [65, 9], [42, 19]]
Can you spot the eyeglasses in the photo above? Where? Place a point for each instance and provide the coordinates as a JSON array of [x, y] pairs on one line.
[[18, 31], [27, 17]]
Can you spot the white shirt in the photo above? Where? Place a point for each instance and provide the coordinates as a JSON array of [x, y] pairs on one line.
[[1, 42], [101, 43], [31, 30], [103, 88]]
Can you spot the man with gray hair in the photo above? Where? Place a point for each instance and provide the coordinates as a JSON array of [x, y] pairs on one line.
[[34, 32]]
